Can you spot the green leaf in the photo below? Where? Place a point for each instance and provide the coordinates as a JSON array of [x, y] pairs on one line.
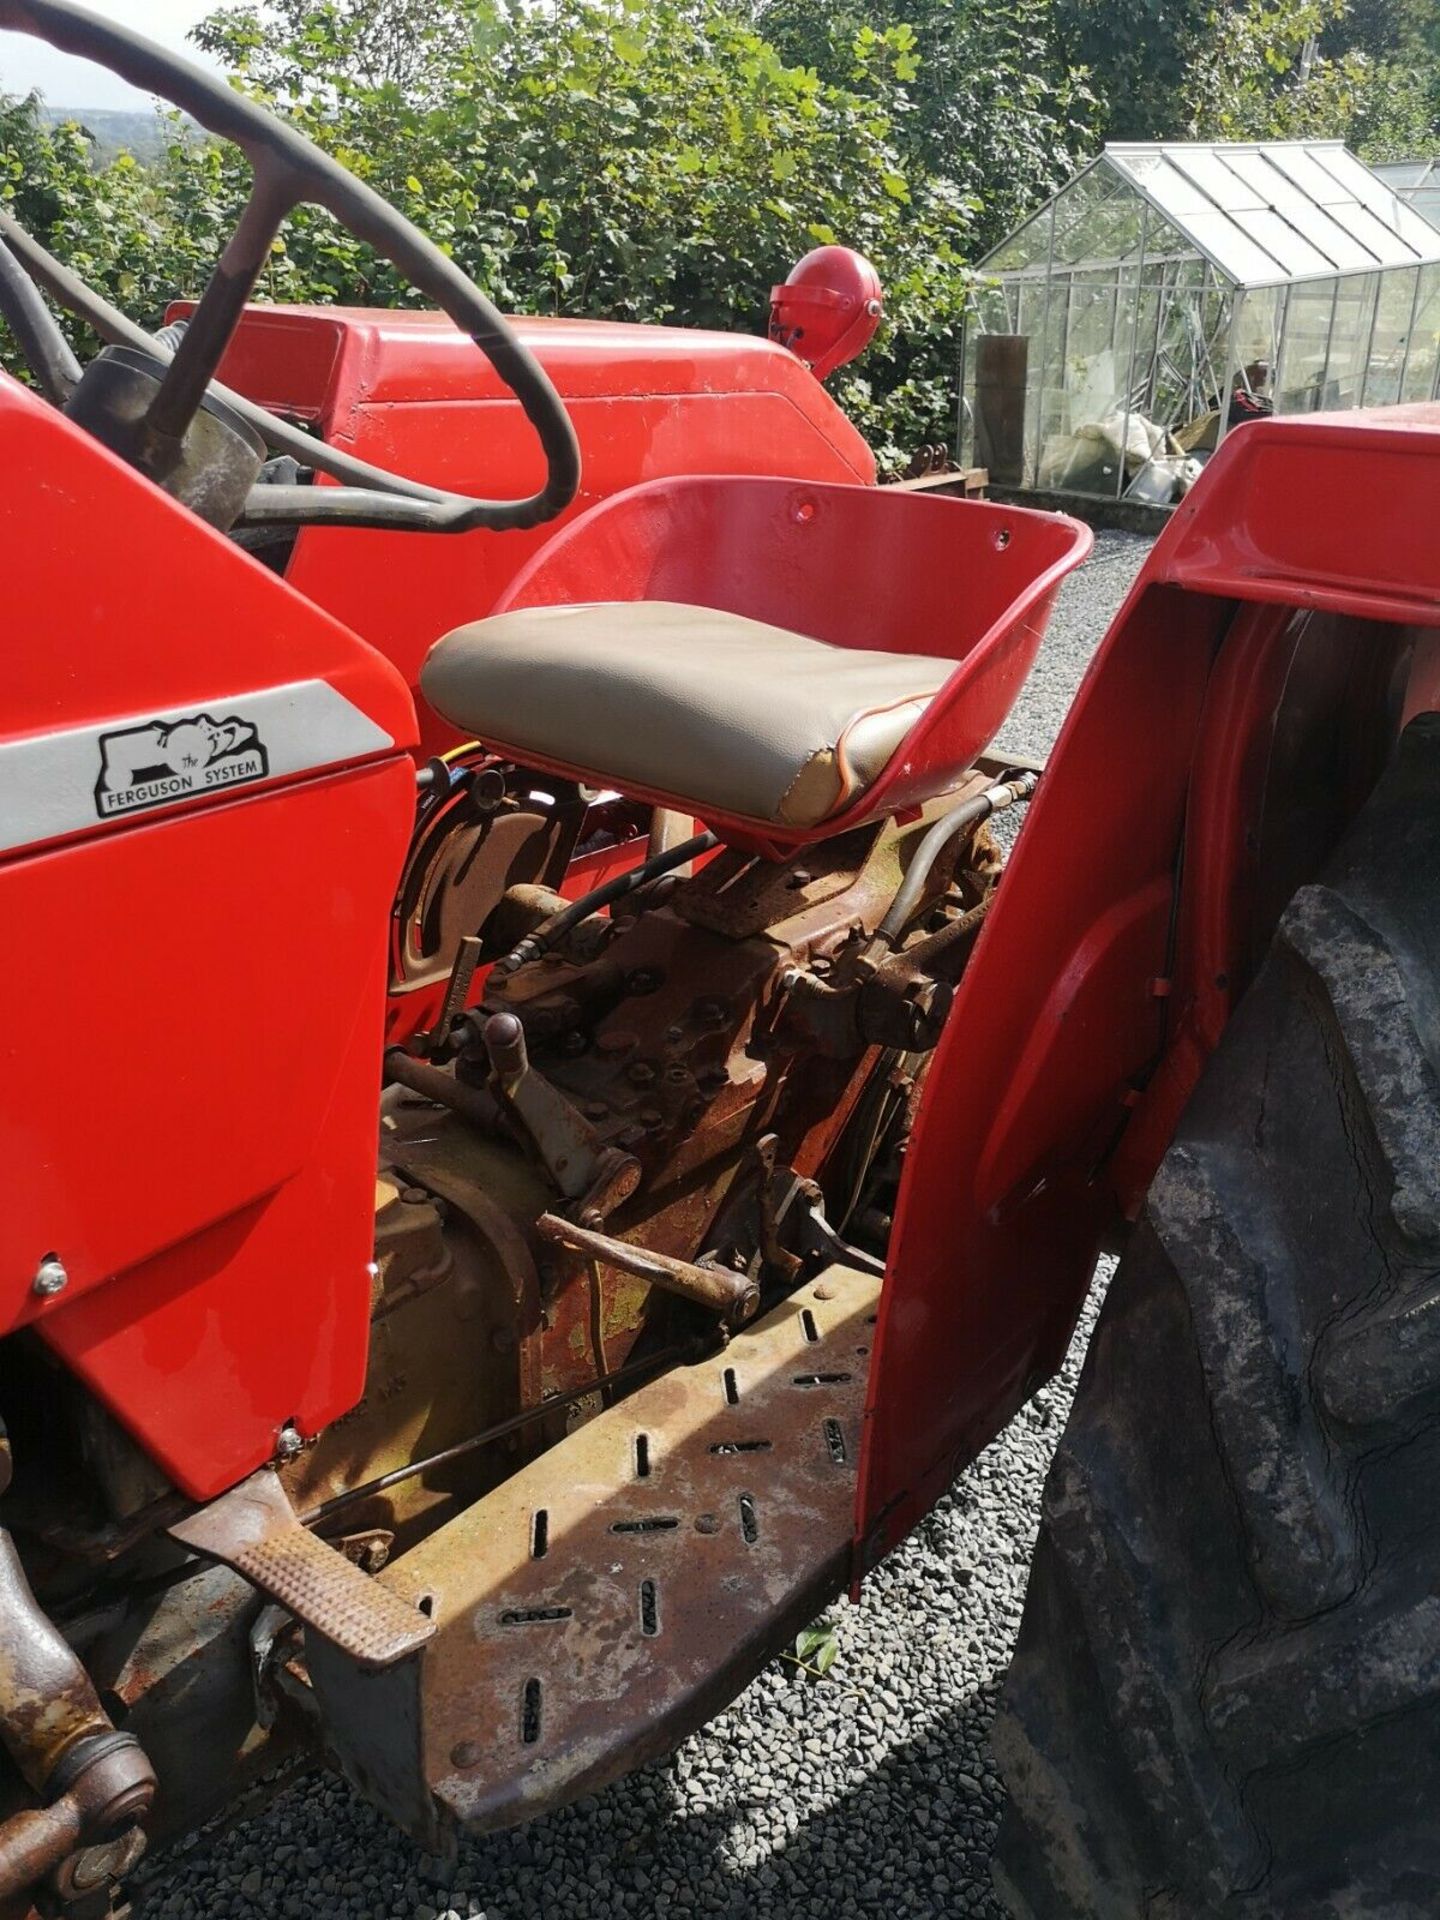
[[817, 1647]]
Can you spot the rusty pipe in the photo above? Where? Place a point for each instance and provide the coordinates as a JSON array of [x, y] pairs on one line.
[[734, 1296]]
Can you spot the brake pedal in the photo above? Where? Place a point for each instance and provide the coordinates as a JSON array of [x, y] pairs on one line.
[[254, 1530]]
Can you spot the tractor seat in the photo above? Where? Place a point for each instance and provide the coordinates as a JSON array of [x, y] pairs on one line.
[[712, 710]]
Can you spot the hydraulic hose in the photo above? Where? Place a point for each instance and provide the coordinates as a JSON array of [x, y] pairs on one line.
[[947, 828], [559, 924]]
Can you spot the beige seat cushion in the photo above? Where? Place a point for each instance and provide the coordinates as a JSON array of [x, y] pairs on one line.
[[709, 709]]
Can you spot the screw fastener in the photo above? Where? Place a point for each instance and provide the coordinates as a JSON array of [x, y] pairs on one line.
[[50, 1277]]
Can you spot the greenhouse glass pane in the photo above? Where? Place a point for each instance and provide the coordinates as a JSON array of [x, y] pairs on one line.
[[1085, 216], [1171, 191], [1390, 337], [1387, 248], [1242, 259], [1401, 174], [1092, 377], [1417, 233], [1356, 181], [1420, 370], [1335, 247], [1314, 180], [1222, 187], [1417, 237], [1305, 348], [1272, 188], [1188, 364], [1350, 338], [1028, 246], [1164, 242], [1293, 249], [1257, 336], [1047, 357], [965, 435], [991, 310]]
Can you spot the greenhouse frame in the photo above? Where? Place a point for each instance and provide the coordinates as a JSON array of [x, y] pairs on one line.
[[1416, 181], [1169, 293]]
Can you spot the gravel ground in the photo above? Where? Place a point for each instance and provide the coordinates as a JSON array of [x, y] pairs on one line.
[[868, 1794]]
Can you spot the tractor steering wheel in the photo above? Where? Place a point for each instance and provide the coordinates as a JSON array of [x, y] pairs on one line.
[[165, 397]]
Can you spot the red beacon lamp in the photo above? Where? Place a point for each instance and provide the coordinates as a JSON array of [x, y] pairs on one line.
[[827, 310]]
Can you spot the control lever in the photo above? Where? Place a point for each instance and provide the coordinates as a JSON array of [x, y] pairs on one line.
[[567, 1146]]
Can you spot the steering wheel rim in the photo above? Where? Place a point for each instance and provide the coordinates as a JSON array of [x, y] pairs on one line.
[[288, 171]]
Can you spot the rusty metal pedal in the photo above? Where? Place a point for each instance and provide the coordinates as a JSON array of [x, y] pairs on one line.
[[254, 1529], [615, 1593]]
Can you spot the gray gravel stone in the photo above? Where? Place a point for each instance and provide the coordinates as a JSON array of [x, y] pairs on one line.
[[871, 1796]]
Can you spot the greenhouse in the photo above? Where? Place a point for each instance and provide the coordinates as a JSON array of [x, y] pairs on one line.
[[1168, 294], [1416, 181]]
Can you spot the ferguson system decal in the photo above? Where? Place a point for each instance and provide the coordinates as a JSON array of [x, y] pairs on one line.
[[129, 765], [146, 766]]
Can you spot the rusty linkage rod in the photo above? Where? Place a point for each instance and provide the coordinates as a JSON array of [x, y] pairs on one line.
[[95, 1782], [734, 1296]]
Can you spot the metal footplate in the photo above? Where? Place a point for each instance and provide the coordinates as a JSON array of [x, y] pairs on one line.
[[617, 1592], [255, 1530]]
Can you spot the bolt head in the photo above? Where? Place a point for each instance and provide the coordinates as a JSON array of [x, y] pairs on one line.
[[289, 1443], [50, 1277]]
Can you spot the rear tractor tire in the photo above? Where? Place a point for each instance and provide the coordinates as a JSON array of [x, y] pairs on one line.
[[1225, 1700]]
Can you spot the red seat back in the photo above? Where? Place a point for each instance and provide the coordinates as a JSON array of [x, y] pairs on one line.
[[877, 567]]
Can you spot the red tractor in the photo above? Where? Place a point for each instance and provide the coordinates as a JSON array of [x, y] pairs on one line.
[[476, 1409]]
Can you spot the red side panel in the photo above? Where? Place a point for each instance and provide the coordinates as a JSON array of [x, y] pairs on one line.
[[1281, 630], [407, 391], [205, 794]]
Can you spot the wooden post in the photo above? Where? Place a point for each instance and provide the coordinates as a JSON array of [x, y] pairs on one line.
[[1001, 361]]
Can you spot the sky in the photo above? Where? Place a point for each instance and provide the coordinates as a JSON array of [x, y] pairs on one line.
[[27, 63]]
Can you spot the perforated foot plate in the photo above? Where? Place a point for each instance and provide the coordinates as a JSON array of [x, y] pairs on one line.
[[618, 1591]]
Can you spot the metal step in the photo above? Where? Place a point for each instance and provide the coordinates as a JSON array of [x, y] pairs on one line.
[[617, 1592]]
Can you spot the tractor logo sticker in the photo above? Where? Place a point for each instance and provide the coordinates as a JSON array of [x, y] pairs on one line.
[[148, 766]]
